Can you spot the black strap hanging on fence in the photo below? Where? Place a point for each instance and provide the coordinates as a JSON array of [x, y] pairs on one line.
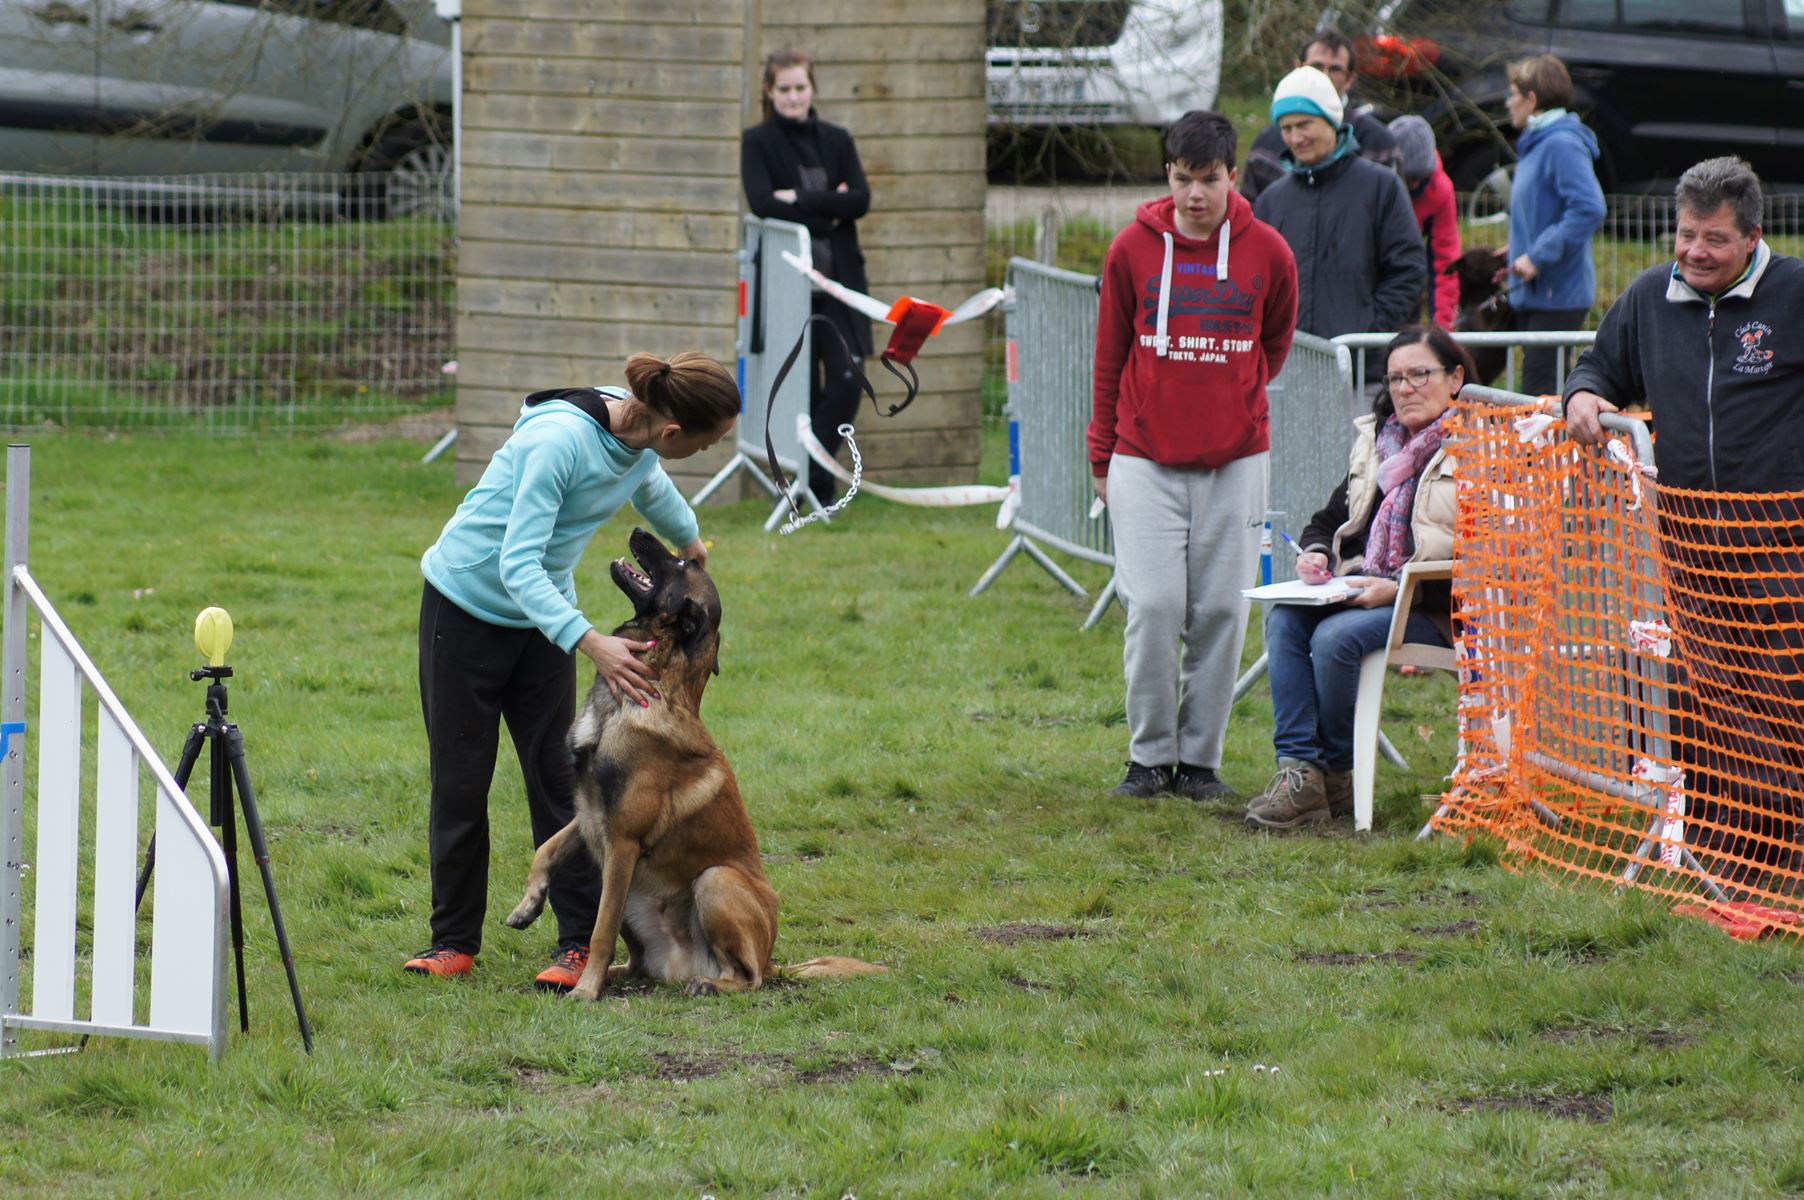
[[776, 387], [915, 322], [757, 285]]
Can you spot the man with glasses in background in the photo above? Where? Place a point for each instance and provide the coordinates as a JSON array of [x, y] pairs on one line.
[[1330, 52]]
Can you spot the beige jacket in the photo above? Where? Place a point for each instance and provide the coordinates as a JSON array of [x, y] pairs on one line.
[[1432, 520]]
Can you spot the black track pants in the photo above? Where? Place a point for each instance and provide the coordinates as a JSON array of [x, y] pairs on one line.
[[474, 675]]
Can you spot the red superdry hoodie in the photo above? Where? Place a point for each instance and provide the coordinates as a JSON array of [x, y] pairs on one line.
[[1189, 334]]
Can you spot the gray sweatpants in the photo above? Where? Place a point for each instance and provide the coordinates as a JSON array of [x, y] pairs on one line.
[[1186, 543]]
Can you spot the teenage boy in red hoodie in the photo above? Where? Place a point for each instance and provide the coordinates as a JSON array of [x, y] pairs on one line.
[[1199, 301]]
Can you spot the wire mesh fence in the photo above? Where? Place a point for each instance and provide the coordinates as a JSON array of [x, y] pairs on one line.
[[233, 304]]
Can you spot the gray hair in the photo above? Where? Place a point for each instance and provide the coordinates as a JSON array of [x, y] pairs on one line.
[[1715, 182]]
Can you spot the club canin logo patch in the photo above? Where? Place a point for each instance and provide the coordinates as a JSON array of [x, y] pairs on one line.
[[1755, 358]]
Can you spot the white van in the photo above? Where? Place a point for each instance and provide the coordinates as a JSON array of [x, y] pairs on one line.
[[1101, 62]]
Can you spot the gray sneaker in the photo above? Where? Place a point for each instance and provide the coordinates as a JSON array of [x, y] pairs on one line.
[[1338, 786], [1294, 797], [1201, 784]]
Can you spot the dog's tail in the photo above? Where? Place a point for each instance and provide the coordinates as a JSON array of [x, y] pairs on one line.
[[830, 966]]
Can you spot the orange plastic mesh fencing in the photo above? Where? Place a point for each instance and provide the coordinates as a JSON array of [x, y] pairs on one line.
[[1632, 671]]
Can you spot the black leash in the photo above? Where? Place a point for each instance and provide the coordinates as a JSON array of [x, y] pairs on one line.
[[915, 321], [910, 381]]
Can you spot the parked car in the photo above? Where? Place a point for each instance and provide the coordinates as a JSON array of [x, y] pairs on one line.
[[178, 87], [1101, 62], [1664, 83]]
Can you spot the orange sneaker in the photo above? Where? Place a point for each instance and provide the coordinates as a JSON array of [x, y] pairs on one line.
[[441, 961], [565, 969]]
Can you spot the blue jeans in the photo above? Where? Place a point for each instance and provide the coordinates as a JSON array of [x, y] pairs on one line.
[[1312, 660]]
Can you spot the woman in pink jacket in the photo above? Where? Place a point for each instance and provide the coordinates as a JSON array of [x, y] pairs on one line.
[[1431, 194]]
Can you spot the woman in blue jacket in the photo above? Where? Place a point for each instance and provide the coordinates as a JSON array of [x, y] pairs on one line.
[[1555, 207], [499, 624]]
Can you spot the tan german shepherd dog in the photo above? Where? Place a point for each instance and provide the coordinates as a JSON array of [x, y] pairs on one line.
[[659, 808]]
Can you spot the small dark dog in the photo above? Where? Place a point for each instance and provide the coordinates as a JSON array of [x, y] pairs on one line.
[[658, 806], [1484, 307]]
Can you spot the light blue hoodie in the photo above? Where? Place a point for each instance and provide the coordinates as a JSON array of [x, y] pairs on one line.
[[508, 555]]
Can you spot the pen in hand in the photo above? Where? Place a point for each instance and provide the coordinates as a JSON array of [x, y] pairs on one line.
[[1307, 572]]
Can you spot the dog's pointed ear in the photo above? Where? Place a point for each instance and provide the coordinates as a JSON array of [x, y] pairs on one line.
[[692, 625], [715, 669]]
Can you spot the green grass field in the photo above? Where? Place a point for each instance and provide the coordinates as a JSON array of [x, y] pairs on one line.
[[1086, 995]]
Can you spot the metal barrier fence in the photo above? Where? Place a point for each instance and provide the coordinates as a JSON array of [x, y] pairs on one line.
[[1051, 324], [775, 301], [233, 304], [1311, 438], [87, 889], [1564, 342]]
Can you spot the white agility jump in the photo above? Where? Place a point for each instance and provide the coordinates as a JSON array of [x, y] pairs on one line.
[[187, 997]]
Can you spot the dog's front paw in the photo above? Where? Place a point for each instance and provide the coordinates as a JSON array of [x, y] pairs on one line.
[[584, 990], [526, 912], [701, 987]]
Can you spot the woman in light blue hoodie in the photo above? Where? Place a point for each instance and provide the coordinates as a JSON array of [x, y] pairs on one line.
[[499, 624], [1555, 207]]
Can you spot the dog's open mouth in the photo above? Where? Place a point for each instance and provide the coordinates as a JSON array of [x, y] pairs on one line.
[[631, 577]]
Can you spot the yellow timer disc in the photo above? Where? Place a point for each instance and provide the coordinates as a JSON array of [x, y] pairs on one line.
[[213, 635]]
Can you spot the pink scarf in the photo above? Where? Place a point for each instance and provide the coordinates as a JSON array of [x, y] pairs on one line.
[[1401, 459]]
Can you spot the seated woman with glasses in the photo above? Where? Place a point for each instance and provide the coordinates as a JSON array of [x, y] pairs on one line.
[[1396, 505]]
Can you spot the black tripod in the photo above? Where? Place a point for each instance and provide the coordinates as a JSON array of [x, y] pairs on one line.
[[227, 768]]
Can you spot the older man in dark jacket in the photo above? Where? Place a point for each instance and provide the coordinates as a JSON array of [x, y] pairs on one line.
[[1710, 343], [1360, 266]]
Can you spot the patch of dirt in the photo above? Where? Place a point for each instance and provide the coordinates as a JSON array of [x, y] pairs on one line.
[[1027, 931], [1659, 1039], [542, 1082], [1577, 1107], [1377, 898], [1465, 928], [845, 1069], [1666, 1038], [324, 829], [1796, 977], [1026, 985], [1337, 958], [687, 1068]]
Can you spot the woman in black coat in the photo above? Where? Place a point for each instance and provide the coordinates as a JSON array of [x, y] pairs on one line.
[[797, 167]]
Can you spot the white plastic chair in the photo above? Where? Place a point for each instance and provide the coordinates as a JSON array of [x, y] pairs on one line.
[[1372, 668]]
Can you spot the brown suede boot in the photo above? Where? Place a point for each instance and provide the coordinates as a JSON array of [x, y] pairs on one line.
[[1338, 785], [1294, 797]]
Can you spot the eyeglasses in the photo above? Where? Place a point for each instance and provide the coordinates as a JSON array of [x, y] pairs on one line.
[[1415, 377]]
